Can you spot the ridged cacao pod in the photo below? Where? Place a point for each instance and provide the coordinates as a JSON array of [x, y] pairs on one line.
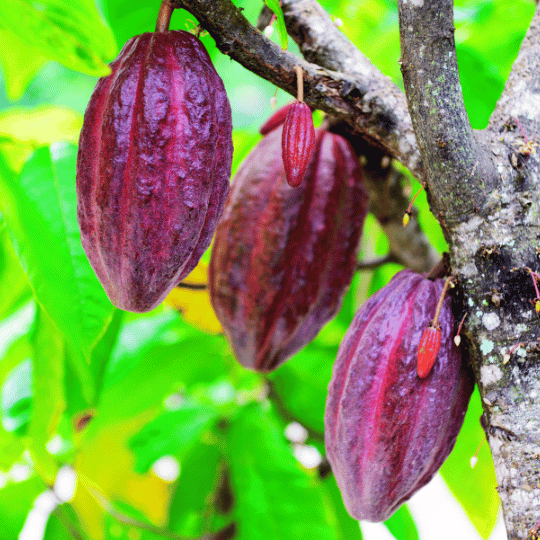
[[153, 167], [283, 257], [275, 120], [387, 431], [297, 142], [428, 349]]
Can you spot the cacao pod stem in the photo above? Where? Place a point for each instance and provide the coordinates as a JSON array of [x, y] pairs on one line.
[[430, 343], [164, 16], [408, 212], [299, 83]]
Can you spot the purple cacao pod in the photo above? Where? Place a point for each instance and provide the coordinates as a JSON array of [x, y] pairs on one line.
[[283, 257], [387, 431], [297, 142], [276, 119], [153, 167]]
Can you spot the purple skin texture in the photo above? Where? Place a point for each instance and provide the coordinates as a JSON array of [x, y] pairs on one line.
[[298, 142], [153, 167], [284, 257], [387, 432]]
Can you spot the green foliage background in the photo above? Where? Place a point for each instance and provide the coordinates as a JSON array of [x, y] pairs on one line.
[[157, 384]]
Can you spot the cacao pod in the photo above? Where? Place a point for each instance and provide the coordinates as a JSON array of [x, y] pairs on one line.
[[297, 142], [387, 431], [428, 349], [275, 120], [283, 257], [153, 167]]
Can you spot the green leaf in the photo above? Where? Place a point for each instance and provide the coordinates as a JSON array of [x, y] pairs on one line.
[[20, 63], [48, 393], [13, 282], [346, 526], [301, 384], [11, 445], [171, 433], [274, 497], [42, 218], [276, 8], [61, 524], [102, 352], [175, 358], [41, 125], [402, 525], [16, 500], [16, 398], [475, 489], [192, 507], [74, 34]]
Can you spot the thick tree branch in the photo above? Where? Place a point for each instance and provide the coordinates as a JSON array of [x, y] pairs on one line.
[[519, 109], [369, 97], [367, 100], [459, 174], [324, 44], [490, 249], [521, 95]]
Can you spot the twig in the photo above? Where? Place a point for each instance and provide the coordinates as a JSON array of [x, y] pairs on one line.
[[375, 263]]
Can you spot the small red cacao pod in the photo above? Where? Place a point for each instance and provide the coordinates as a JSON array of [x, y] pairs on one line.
[[153, 167], [387, 432], [428, 349], [275, 120], [283, 258], [298, 142]]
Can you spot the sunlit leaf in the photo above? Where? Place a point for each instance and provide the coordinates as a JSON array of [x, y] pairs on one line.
[[48, 393], [20, 63], [42, 218], [16, 500], [16, 398], [73, 34], [171, 433]]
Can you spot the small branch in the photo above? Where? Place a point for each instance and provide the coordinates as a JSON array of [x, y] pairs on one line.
[[373, 108], [376, 263], [459, 174], [192, 286]]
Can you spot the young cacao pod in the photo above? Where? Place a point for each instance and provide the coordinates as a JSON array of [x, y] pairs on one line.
[[387, 431], [297, 142], [153, 167], [283, 257], [276, 119]]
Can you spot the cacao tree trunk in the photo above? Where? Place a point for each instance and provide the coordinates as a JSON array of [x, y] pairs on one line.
[[482, 187]]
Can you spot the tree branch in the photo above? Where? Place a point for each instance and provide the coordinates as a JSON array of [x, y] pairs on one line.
[[409, 245], [365, 99], [459, 174]]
